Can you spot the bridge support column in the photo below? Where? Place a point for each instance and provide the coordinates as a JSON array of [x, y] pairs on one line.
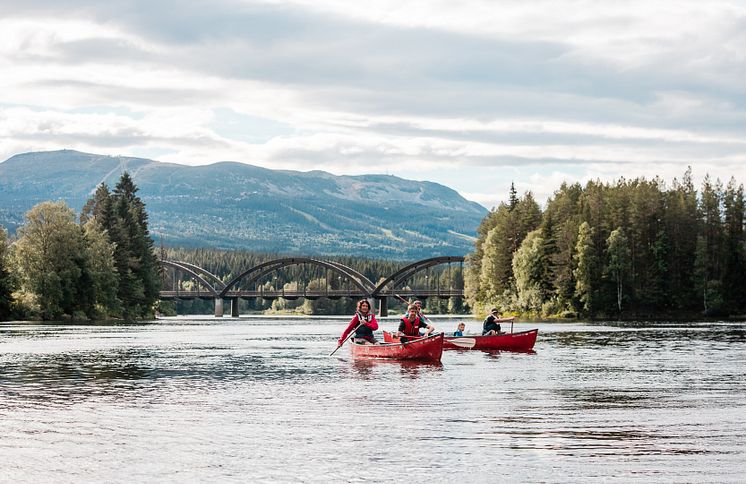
[[383, 307], [218, 307], [234, 307]]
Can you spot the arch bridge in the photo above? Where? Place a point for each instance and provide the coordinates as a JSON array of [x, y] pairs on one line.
[[188, 281]]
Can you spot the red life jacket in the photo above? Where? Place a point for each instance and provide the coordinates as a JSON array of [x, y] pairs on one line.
[[411, 328]]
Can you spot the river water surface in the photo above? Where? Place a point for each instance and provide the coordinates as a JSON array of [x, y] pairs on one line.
[[260, 400]]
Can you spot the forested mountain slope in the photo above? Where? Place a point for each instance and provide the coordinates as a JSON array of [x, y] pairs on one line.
[[235, 205]]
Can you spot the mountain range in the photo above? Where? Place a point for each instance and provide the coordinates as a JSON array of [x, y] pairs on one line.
[[234, 205]]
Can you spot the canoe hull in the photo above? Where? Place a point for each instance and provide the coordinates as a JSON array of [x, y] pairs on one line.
[[522, 341], [425, 349]]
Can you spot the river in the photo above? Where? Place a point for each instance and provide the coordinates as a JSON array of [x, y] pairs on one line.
[[260, 400]]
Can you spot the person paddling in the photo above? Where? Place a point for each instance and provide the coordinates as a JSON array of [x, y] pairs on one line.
[[491, 325], [410, 325], [364, 323]]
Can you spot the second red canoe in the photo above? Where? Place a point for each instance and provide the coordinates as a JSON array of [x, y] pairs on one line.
[[521, 341]]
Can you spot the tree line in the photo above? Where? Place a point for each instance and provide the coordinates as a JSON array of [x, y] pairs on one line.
[[628, 248], [98, 266]]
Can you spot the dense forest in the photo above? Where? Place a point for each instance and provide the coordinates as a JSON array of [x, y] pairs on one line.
[[636, 248], [101, 266]]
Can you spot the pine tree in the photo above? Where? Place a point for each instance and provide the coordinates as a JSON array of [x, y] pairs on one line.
[[122, 216], [135, 256], [513, 197]]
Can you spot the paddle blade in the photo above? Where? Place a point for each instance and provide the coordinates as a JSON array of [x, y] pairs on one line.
[[463, 342]]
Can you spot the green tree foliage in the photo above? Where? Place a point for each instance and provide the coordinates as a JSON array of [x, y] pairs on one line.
[[489, 270], [586, 266], [734, 259], [530, 271], [50, 256], [619, 261], [652, 249], [101, 269], [7, 284], [122, 217]]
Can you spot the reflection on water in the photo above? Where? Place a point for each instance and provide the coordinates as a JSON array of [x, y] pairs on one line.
[[260, 400], [371, 368]]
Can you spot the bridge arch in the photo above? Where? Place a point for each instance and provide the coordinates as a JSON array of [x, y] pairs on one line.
[[261, 270], [185, 268], [360, 276], [408, 271], [218, 283]]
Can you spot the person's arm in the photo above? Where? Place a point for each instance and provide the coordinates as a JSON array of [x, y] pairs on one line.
[[350, 327], [429, 329], [401, 329], [373, 323]]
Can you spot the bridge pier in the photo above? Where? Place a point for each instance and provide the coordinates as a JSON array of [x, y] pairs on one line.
[[234, 307], [218, 307], [383, 307]]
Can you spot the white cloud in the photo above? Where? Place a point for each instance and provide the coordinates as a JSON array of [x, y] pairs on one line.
[[470, 94]]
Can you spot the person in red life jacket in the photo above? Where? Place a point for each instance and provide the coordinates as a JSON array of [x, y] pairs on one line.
[[363, 323], [410, 325]]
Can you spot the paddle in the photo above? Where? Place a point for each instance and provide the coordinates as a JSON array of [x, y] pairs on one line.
[[463, 342], [351, 333]]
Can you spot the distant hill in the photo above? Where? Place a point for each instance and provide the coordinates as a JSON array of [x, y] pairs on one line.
[[235, 205]]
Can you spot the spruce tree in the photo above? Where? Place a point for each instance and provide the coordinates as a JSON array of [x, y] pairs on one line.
[[137, 264]]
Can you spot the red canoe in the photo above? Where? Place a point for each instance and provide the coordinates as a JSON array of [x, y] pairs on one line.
[[423, 349], [523, 341]]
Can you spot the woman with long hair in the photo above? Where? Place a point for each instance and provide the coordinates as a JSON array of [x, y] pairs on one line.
[[363, 323]]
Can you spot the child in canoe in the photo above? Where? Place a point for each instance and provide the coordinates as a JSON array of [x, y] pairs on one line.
[[460, 329], [365, 322]]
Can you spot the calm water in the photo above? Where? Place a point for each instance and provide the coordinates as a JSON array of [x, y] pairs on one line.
[[260, 400]]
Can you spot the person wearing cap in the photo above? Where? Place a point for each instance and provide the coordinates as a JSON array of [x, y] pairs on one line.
[[491, 323]]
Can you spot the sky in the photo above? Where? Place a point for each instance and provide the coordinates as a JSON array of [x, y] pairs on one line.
[[472, 94]]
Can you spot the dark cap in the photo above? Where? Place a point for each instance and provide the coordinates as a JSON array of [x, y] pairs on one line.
[[494, 310]]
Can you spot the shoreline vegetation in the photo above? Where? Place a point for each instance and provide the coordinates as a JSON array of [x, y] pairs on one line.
[[101, 266], [626, 249], [632, 250]]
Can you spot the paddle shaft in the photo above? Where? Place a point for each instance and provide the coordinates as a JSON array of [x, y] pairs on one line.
[[349, 335]]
